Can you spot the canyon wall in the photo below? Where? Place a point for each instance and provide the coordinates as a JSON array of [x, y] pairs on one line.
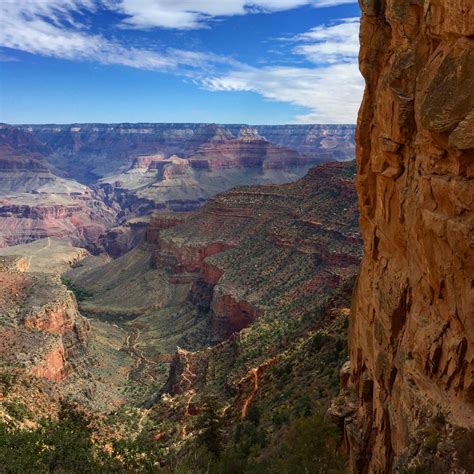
[[409, 392], [89, 151], [35, 202]]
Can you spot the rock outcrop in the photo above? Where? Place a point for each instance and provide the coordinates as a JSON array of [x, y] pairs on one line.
[[42, 332], [410, 387], [47, 255]]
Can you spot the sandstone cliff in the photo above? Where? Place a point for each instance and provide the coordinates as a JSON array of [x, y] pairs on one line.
[[409, 392]]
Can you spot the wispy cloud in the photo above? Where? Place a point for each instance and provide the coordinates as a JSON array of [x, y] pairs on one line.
[[331, 93], [54, 28], [330, 44], [331, 89], [192, 14]]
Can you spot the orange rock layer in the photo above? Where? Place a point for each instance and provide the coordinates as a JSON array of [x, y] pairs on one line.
[[412, 329]]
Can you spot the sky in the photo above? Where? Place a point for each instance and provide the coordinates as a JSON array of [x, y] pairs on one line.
[[221, 61]]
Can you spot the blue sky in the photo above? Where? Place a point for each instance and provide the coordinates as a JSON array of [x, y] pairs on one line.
[[225, 61]]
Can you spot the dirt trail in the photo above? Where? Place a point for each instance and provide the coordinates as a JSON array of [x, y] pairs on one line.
[[187, 413], [255, 372], [131, 346], [188, 375], [33, 254], [143, 417]]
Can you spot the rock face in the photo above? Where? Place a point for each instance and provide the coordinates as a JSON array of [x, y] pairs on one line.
[[124, 237], [412, 329], [41, 329], [333, 142]]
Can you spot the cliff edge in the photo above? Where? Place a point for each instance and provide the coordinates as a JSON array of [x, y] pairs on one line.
[[409, 391]]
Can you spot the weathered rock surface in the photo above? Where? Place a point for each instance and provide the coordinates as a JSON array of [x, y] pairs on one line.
[[412, 329]]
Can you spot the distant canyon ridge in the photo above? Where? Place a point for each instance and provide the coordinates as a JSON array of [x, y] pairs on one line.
[[79, 181]]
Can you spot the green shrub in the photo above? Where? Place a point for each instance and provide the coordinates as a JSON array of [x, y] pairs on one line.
[[8, 379], [280, 418], [16, 409], [80, 293], [310, 445]]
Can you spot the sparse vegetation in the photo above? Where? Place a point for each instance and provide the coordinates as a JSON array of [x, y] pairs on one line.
[[69, 445], [80, 293]]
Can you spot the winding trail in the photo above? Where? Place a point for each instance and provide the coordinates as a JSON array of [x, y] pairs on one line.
[[188, 375], [184, 429], [131, 345], [142, 419]]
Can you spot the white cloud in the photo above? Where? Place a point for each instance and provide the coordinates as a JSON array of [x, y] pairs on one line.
[[54, 28], [331, 90], [192, 14], [330, 44], [332, 93]]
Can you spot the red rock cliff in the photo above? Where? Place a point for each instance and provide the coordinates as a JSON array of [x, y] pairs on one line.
[[410, 389]]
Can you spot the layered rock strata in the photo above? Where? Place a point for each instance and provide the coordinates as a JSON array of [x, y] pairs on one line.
[[36, 203], [88, 152]]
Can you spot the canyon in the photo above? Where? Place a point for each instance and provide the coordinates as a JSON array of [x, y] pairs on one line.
[[76, 182], [408, 392], [192, 287], [36, 203], [220, 304], [88, 152]]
